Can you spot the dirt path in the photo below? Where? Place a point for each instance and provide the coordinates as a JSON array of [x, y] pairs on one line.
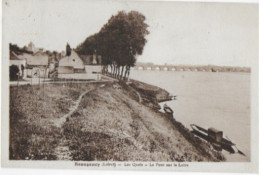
[[139, 96], [62, 150], [60, 121], [137, 93]]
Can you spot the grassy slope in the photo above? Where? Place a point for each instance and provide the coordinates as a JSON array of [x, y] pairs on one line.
[[32, 133], [110, 124]]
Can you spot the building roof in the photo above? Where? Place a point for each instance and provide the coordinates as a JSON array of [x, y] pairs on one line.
[[13, 56], [37, 59]]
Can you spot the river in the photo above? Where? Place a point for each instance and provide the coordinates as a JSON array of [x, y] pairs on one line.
[[208, 99]]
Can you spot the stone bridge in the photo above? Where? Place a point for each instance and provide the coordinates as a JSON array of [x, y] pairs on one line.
[[171, 68], [192, 68]]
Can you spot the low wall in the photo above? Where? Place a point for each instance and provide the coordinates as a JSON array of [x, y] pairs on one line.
[[37, 72], [93, 69], [65, 70], [80, 76]]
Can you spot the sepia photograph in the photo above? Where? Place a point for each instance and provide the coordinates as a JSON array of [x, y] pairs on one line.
[[147, 85]]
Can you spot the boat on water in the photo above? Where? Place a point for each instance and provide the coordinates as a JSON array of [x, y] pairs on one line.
[[167, 109], [216, 139]]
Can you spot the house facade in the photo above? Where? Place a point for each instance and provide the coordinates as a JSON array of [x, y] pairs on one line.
[[71, 64], [85, 67], [36, 65]]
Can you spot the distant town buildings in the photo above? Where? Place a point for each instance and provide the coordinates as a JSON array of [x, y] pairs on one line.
[[31, 48], [31, 62]]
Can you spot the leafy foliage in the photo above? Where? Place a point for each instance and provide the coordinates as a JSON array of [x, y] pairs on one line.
[[13, 72], [119, 41], [17, 49]]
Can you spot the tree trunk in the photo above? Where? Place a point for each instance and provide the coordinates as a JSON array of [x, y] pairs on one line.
[[122, 72], [126, 71], [111, 66], [103, 70], [118, 72], [114, 74], [106, 69], [114, 70]]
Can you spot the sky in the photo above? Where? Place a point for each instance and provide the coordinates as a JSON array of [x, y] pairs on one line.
[[193, 33]]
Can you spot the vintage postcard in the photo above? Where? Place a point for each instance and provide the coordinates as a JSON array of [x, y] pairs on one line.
[[130, 85]]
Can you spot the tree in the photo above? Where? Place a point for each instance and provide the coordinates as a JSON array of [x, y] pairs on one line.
[[68, 50], [17, 49], [13, 72], [119, 42], [89, 46], [123, 39]]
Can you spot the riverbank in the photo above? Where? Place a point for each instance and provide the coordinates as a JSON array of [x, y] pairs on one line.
[[113, 122], [209, 99]]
